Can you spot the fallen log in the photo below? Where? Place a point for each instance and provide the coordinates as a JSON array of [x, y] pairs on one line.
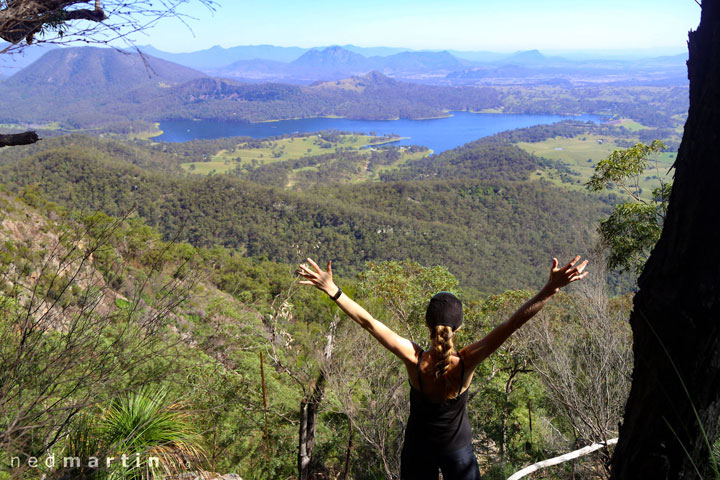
[[562, 458]]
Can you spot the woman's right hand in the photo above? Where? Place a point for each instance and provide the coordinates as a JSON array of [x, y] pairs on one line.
[[560, 277]]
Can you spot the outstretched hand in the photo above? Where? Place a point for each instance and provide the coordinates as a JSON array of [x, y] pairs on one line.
[[319, 278], [560, 277]]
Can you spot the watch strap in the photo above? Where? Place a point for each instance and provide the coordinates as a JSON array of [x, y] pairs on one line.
[[337, 295]]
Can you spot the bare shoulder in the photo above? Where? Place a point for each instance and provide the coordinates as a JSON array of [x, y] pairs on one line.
[[418, 350]]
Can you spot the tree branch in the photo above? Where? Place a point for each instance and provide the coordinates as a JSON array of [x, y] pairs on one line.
[[21, 20], [562, 458], [13, 139], [85, 14]]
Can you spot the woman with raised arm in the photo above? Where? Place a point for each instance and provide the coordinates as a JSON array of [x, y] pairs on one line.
[[438, 435]]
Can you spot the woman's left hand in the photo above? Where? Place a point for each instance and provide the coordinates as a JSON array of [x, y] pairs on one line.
[[319, 278], [562, 276]]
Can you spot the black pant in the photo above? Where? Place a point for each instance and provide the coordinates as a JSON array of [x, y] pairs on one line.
[[419, 464]]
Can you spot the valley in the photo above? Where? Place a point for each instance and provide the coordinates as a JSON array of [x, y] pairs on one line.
[[165, 180]]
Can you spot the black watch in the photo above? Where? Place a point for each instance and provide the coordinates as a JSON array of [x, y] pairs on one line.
[[337, 295]]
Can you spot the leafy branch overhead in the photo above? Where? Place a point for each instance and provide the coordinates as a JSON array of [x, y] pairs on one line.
[[624, 168], [633, 228]]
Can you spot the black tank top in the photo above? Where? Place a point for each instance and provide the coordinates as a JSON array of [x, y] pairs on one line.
[[441, 426]]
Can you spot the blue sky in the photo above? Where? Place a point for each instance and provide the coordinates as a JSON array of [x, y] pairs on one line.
[[494, 25]]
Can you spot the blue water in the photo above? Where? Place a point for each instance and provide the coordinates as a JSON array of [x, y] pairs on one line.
[[439, 134]]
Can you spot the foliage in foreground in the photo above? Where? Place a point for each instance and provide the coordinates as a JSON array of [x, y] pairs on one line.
[[147, 438], [205, 351], [633, 228]]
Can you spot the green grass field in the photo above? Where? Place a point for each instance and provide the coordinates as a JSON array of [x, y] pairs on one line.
[[364, 173], [581, 154], [32, 126], [405, 157], [680, 129], [147, 134], [628, 124], [271, 151], [278, 150]]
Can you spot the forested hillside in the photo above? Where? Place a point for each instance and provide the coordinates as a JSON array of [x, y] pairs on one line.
[[198, 337], [470, 209]]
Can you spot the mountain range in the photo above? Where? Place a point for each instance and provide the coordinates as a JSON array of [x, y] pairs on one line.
[[218, 57], [263, 63], [91, 87], [334, 63], [14, 61], [449, 67], [84, 86], [87, 86]]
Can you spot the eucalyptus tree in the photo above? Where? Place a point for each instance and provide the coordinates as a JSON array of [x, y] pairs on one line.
[[671, 417]]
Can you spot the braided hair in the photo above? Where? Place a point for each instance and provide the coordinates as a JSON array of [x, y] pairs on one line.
[[442, 344]]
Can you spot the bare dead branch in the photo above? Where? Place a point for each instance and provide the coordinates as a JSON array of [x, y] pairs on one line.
[[14, 139], [23, 22]]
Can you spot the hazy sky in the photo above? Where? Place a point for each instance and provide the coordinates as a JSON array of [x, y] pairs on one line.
[[495, 25]]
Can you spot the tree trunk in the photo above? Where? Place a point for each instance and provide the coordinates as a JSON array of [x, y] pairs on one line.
[[21, 20], [671, 416], [309, 408], [505, 413], [308, 416], [348, 452]]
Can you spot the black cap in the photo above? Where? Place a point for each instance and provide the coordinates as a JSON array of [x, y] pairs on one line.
[[444, 309]]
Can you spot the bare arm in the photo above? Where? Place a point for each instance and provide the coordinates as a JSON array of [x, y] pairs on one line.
[[400, 346], [476, 352]]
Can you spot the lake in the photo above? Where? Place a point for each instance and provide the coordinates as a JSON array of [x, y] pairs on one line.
[[439, 134]]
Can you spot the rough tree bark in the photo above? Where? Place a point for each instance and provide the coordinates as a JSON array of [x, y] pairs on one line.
[[309, 408], [676, 317], [22, 19], [308, 416]]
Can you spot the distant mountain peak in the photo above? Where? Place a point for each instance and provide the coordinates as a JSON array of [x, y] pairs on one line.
[[527, 56], [329, 56], [359, 83], [375, 77], [99, 68]]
